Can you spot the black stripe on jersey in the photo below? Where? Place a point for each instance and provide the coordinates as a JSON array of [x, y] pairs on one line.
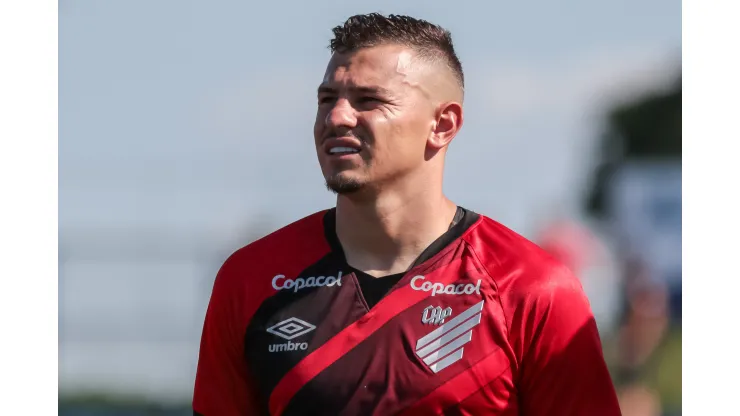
[[329, 308], [347, 382]]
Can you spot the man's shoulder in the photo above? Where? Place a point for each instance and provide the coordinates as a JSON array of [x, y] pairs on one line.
[[293, 246], [500, 245], [305, 232], [516, 263]]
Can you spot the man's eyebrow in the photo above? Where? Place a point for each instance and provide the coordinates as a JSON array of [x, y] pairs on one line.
[[325, 89]]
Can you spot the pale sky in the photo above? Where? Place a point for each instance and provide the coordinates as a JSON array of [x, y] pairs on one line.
[[196, 117], [201, 112]]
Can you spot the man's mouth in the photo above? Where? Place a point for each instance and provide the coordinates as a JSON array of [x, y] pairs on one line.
[[338, 150]]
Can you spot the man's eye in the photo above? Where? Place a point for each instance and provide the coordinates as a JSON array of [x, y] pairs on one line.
[[365, 100], [326, 99]]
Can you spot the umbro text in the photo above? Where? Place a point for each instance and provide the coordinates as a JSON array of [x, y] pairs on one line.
[[288, 346]]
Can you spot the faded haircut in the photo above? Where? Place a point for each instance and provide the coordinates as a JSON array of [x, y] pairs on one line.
[[430, 42]]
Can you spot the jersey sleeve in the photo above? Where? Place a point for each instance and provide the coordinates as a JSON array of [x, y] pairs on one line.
[[222, 385], [563, 371]]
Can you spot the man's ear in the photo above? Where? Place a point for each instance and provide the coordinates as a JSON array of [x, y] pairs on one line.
[[449, 120]]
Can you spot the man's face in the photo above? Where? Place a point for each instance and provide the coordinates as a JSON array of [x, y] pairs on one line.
[[373, 120]]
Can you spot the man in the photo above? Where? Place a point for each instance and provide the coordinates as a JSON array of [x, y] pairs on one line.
[[396, 301]]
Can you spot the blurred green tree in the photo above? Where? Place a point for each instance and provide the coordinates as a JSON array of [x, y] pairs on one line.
[[647, 128]]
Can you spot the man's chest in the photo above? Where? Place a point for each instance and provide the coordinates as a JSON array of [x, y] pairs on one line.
[[435, 339]]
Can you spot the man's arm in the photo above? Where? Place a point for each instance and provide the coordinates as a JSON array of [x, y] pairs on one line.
[[222, 386], [563, 370]]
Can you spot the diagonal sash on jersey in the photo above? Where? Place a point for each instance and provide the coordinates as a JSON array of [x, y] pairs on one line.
[[461, 386], [388, 308]]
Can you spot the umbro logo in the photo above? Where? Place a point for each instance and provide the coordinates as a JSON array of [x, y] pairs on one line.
[[289, 329], [444, 346]]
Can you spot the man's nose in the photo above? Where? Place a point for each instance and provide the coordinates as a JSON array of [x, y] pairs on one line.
[[341, 115]]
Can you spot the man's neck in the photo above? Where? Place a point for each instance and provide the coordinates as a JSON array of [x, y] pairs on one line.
[[386, 234]]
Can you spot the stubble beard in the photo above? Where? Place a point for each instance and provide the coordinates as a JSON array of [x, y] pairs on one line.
[[341, 185]]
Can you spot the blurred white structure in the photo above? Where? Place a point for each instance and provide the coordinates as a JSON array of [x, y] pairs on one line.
[[645, 199]]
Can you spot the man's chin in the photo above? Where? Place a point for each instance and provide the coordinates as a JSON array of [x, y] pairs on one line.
[[342, 185]]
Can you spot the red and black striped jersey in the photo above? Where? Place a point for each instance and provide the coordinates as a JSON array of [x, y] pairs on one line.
[[484, 322]]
